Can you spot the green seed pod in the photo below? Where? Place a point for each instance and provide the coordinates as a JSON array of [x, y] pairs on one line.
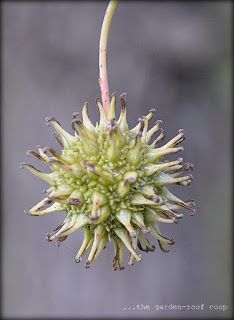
[[112, 183]]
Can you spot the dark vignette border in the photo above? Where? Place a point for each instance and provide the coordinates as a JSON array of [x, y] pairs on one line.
[[1, 151]]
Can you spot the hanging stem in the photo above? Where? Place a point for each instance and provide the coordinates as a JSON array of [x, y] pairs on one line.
[[103, 79]]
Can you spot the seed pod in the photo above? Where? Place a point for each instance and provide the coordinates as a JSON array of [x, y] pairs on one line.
[[112, 183]]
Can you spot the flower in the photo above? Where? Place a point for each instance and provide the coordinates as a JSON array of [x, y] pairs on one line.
[[112, 183]]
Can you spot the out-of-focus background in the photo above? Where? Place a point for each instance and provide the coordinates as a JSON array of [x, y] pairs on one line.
[[172, 56]]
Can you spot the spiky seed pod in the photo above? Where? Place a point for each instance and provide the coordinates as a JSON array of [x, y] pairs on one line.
[[112, 183]]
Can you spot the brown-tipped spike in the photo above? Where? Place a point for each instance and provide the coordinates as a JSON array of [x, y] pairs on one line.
[[50, 119], [103, 119], [132, 258], [163, 247], [36, 155], [176, 140], [155, 232], [145, 128], [44, 176], [142, 125], [153, 130], [86, 120], [54, 154], [153, 110], [157, 153], [123, 100], [150, 114], [124, 217], [43, 153], [123, 235], [75, 115], [75, 123], [88, 137], [122, 121], [63, 137], [119, 254], [138, 219], [191, 203], [181, 169], [88, 239], [53, 160], [111, 111], [191, 177], [144, 244], [99, 242], [166, 166], [159, 139], [75, 223], [57, 137], [136, 129], [58, 230], [161, 136], [41, 210]]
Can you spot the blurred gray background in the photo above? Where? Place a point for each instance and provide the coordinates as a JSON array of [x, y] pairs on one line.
[[174, 56]]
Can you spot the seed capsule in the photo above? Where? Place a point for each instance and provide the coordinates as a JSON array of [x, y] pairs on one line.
[[112, 182]]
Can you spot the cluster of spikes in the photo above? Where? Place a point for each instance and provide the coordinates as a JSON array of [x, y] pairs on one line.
[[112, 182]]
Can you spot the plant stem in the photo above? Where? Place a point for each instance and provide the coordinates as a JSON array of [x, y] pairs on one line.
[[103, 79]]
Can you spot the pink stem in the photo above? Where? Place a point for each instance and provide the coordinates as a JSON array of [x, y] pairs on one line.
[[103, 78]]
